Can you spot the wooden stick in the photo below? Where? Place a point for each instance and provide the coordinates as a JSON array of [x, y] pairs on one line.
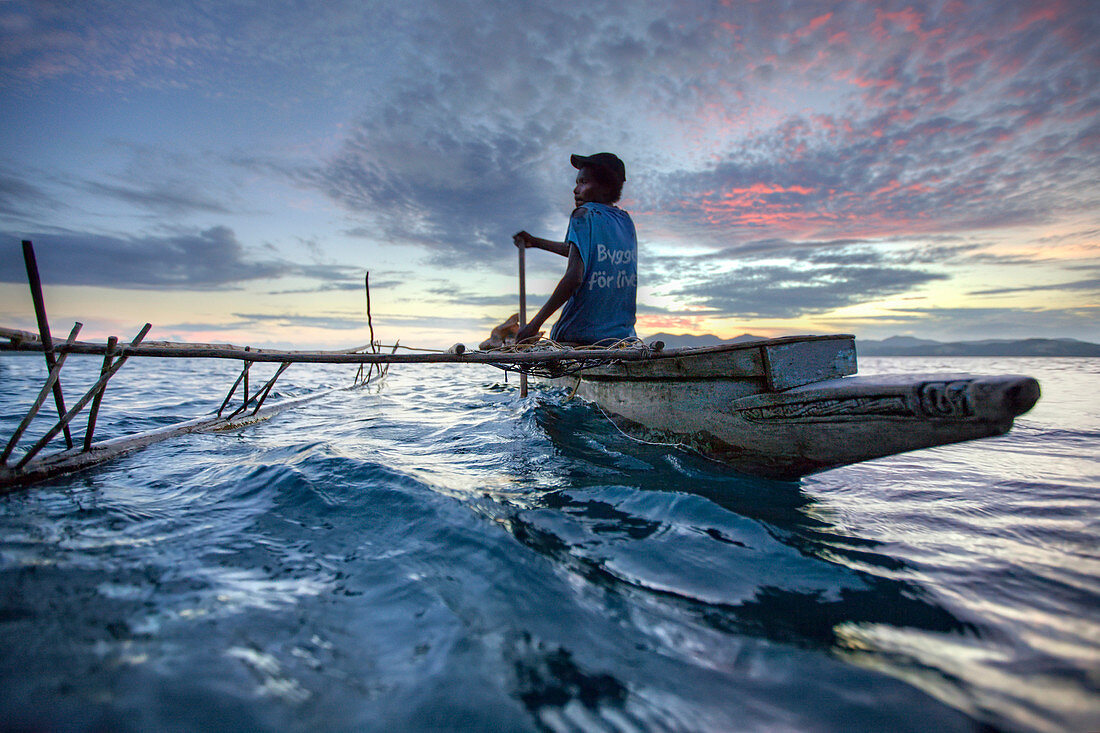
[[341, 357], [271, 383], [261, 391], [93, 411], [69, 461], [28, 341], [370, 323], [179, 350], [245, 394], [44, 328], [386, 370], [68, 416], [55, 372], [522, 307], [233, 389]]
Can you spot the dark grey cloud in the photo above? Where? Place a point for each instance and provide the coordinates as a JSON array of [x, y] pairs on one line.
[[993, 258], [331, 322], [289, 51], [770, 246], [1085, 235], [198, 326], [150, 180], [855, 252], [165, 182], [245, 321], [160, 198], [468, 150], [648, 309], [211, 259], [946, 324], [817, 276], [507, 300], [335, 321], [18, 197], [786, 282], [1088, 285], [341, 286], [459, 196], [929, 250], [776, 291], [939, 254]]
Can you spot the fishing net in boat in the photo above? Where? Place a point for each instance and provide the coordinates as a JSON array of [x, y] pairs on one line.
[[602, 354]]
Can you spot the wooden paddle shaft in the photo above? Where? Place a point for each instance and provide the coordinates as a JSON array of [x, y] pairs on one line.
[[522, 306]]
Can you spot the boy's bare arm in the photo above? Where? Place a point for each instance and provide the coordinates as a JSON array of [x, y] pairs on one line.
[[573, 279], [523, 239]]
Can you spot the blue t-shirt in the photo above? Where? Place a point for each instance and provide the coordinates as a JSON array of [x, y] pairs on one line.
[[603, 307]]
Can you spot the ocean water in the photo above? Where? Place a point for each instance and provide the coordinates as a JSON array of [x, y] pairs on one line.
[[434, 553]]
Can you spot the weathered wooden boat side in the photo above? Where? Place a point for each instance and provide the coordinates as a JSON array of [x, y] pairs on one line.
[[802, 412], [778, 363]]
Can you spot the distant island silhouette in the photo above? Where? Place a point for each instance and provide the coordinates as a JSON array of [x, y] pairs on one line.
[[909, 346]]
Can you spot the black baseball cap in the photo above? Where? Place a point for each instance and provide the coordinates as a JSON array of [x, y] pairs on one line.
[[608, 161]]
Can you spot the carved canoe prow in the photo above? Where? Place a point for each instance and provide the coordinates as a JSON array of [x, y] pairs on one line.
[[841, 421]]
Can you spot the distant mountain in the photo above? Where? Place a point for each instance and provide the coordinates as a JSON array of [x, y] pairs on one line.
[[909, 346], [905, 346], [682, 340], [903, 342]]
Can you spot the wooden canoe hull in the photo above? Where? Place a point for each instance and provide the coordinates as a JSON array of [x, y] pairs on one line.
[[817, 425]]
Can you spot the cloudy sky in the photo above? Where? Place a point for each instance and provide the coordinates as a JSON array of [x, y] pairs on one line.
[[230, 170]]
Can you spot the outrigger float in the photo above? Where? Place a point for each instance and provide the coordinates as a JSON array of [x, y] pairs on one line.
[[781, 408]]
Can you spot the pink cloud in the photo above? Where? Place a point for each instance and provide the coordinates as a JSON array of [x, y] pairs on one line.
[[655, 323], [812, 26], [908, 21], [894, 187], [865, 82], [1051, 10]]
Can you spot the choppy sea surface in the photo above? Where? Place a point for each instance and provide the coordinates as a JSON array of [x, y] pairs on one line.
[[434, 553]]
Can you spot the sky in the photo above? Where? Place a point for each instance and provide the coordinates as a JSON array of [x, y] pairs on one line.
[[230, 171]]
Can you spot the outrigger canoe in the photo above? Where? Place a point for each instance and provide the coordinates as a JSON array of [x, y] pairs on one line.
[[782, 407], [788, 407]]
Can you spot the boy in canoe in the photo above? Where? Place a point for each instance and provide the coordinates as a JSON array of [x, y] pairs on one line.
[[600, 284]]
